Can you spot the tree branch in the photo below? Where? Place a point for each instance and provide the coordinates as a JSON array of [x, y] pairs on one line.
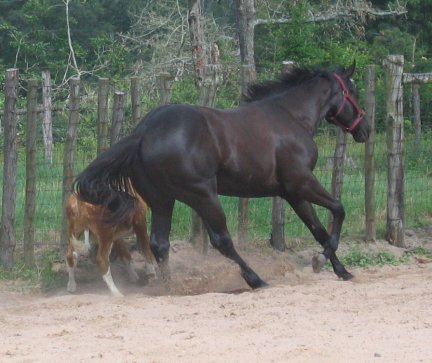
[[347, 9]]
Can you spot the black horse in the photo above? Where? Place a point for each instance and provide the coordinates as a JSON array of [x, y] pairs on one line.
[[263, 148]]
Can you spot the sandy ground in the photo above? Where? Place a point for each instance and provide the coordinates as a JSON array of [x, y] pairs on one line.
[[209, 315]]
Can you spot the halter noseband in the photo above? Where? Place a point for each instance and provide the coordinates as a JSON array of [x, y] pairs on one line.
[[347, 98]]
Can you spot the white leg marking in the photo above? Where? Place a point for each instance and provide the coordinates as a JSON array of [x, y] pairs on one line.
[[71, 286], [87, 239], [109, 281]]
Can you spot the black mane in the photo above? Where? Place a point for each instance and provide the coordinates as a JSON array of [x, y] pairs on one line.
[[296, 77]]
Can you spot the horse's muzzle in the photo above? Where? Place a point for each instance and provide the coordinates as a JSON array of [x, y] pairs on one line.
[[362, 132]]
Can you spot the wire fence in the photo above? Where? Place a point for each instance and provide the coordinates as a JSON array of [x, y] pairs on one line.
[[417, 175]]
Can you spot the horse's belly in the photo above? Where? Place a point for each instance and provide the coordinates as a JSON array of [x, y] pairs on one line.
[[247, 188]]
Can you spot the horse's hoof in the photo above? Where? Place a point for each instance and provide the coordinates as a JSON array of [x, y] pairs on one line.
[[133, 276], [253, 280], [318, 262], [71, 287], [346, 276]]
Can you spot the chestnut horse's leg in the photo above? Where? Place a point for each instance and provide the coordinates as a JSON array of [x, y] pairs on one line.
[[71, 262], [73, 232], [105, 243], [308, 215]]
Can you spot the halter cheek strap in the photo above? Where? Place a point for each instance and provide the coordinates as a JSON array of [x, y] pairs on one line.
[[347, 98]]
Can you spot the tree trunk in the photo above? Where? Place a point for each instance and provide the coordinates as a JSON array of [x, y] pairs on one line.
[[69, 151], [47, 116], [245, 20], [199, 237], [135, 100], [102, 116], [117, 116], [196, 26]]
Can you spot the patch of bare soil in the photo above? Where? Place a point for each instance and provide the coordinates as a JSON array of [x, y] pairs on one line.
[[210, 315]]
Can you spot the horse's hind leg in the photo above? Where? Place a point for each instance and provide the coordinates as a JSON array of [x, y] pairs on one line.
[[160, 229], [211, 212], [307, 214], [105, 243], [71, 262], [123, 252], [73, 232], [143, 242]]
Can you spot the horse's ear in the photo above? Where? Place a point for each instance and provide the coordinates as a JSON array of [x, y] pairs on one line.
[[350, 70]]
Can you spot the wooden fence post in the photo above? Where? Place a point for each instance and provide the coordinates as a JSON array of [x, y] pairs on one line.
[[417, 117], [165, 80], [135, 99], [395, 137], [31, 167], [47, 116], [7, 231], [415, 79], [277, 238], [338, 169], [370, 223], [69, 151], [117, 116], [102, 118]]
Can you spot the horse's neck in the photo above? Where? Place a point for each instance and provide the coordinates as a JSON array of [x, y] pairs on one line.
[[307, 105]]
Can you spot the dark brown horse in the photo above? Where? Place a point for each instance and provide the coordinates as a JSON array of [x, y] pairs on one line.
[[263, 148]]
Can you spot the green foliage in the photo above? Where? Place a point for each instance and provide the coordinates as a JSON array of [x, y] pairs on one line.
[[391, 40], [33, 35], [307, 43], [420, 251], [49, 279], [41, 275], [359, 258]]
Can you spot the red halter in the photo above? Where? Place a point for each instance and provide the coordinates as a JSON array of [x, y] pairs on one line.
[[347, 98]]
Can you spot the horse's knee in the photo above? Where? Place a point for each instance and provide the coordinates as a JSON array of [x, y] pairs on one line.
[[339, 212]]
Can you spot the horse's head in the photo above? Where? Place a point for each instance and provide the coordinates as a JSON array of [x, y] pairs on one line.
[[345, 111]]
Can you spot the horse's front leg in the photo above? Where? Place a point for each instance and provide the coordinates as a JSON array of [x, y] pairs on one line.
[[308, 215]]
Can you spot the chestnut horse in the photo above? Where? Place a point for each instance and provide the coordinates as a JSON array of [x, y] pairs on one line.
[[87, 218], [263, 148]]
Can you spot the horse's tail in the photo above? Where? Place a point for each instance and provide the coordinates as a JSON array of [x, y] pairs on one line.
[[105, 181]]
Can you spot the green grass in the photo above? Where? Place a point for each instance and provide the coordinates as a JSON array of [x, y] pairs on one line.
[[359, 258], [418, 193], [40, 276]]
